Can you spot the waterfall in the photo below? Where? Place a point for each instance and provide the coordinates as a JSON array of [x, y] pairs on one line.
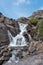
[[30, 38], [18, 40], [22, 27]]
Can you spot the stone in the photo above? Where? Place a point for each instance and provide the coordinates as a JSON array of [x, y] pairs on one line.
[[13, 28], [32, 50], [1, 62], [5, 54], [19, 54], [1, 18], [7, 20], [4, 39], [22, 20], [26, 36]]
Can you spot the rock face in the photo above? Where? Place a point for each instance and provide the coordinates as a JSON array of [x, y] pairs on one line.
[[5, 25], [26, 36], [37, 14], [4, 42], [1, 17], [22, 20], [5, 54], [10, 24]]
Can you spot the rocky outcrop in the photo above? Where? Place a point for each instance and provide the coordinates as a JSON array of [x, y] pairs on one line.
[[37, 14], [22, 20], [10, 24], [5, 54], [4, 39], [4, 42], [1, 17], [5, 25]]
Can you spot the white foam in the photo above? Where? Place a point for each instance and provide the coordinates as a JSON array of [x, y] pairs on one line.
[[19, 39]]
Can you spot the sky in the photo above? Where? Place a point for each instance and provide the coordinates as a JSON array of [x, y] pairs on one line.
[[20, 8]]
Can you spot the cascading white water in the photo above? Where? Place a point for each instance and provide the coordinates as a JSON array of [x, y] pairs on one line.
[[19, 39]]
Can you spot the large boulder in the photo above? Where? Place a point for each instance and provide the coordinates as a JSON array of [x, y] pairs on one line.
[[1, 17], [13, 28], [8, 21], [26, 36], [5, 54]]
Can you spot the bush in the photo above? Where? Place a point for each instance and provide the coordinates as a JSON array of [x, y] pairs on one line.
[[40, 29], [34, 21]]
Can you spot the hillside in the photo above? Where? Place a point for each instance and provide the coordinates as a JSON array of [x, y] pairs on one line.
[[20, 38]]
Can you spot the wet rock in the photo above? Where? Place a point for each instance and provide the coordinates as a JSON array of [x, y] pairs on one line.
[[26, 36], [19, 41], [29, 27], [1, 54], [19, 54], [1, 62], [14, 31], [7, 55]]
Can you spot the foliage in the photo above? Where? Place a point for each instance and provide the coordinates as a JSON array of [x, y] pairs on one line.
[[40, 29], [34, 21]]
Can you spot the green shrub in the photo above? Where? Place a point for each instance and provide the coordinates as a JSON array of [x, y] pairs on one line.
[[34, 21], [40, 29]]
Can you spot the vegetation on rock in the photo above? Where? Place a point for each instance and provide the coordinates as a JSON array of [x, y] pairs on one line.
[[34, 21], [40, 29]]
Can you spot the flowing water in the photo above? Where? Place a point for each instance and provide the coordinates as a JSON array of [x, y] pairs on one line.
[[18, 40]]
